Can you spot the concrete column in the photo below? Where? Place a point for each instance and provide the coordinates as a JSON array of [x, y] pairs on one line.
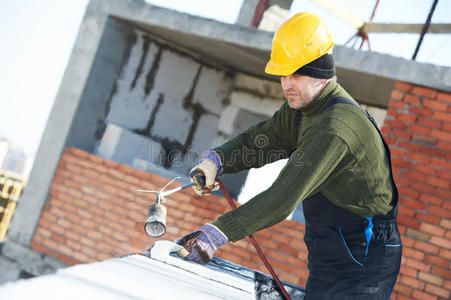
[[247, 12], [248, 9]]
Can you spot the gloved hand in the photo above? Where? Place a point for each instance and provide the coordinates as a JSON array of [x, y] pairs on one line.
[[204, 174], [199, 246]]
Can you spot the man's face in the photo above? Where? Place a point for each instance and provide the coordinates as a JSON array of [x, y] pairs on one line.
[[300, 90]]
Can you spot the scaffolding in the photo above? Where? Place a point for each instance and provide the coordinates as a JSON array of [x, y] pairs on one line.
[[11, 186]]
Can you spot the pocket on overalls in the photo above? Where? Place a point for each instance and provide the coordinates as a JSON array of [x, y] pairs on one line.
[[392, 255], [333, 245], [354, 242]]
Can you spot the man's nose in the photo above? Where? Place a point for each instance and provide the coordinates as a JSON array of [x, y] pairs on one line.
[[287, 81]]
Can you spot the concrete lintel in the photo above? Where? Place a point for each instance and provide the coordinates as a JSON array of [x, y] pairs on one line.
[[255, 45], [395, 68]]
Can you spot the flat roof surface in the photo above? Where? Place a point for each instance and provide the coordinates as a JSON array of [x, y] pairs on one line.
[[138, 276]]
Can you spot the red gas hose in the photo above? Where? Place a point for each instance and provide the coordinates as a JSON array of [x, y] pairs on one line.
[[257, 247]]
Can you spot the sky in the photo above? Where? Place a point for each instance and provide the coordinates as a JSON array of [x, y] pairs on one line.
[[38, 36]]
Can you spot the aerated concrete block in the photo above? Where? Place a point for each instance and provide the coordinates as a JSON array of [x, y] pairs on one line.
[[130, 106], [212, 88], [125, 146], [175, 80]]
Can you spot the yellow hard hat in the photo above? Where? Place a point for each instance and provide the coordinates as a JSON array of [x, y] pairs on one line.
[[299, 41]]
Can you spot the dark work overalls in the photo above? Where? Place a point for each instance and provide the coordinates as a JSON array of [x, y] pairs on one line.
[[350, 257]]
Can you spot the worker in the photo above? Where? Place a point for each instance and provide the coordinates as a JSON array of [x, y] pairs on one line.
[[339, 169]]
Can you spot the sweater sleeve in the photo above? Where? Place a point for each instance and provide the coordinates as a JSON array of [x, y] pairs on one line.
[[316, 157], [266, 142]]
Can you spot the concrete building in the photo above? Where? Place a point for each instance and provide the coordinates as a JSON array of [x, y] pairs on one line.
[[14, 159], [146, 89]]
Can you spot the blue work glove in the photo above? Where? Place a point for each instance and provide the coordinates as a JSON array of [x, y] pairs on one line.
[[199, 246]]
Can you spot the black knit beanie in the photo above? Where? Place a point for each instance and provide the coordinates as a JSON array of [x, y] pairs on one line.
[[323, 68]]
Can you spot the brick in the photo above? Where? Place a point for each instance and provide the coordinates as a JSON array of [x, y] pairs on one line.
[[439, 211], [416, 264], [395, 124], [432, 151], [404, 211], [430, 278], [424, 169], [412, 282], [95, 158], [438, 115], [443, 272], [392, 104], [426, 247], [447, 284], [432, 229], [441, 163], [426, 92], [422, 296], [129, 170], [402, 86], [428, 218], [425, 139], [414, 204], [445, 223], [405, 270], [444, 183], [400, 181], [417, 235], [438, 291], [444, 145], [409, 145], [429, 123], [446, 254], [441, 242], [408, 242], [446, 126], [73, 168], [401, 163], [444, 97], [391, 113], [425, 112], [409, 252], [414, 175], [408, 192], [397, 95], [402, 134], [443, 193], [386, 131], [407, 118], [408, 222], [412, 99], [423, 187], [435, 260], [419, 129], [77, 152], [390, 140], [397, 152], [435, 105], [442, 135]]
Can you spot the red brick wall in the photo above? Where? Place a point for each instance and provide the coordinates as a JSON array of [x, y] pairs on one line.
[[93, 214], [418, 129]]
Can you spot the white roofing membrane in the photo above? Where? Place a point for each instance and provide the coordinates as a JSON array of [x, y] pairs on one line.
[[161, 277]]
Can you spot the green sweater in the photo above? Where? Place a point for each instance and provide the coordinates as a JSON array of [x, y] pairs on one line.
[[337, 152]]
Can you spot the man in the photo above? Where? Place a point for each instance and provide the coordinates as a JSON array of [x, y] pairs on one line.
[[338, 167]]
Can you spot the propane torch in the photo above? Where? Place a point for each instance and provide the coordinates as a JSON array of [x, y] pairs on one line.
[[155, 225]]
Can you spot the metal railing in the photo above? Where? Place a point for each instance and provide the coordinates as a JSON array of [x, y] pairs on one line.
[[11, 186]]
